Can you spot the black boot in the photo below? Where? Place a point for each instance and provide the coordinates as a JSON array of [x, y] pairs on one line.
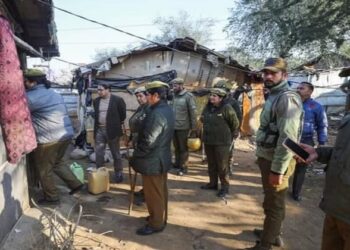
[[222, 192]]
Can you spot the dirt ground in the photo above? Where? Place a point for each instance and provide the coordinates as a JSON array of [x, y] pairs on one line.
[[197, 218]]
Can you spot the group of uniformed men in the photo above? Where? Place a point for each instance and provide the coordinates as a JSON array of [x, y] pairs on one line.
[[155, 124]]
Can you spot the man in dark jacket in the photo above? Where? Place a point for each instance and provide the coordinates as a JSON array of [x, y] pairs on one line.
[[152, 157], [336, 195], [110, 113], [315, 119]]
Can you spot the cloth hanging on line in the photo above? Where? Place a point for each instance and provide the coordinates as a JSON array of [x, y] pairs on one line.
[[15, 118]]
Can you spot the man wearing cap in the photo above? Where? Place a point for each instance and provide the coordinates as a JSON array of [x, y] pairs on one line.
[[219, 123], [54, 132], [229, 99], [152, 157], [184, 107], [281, 118], [315, 119], [110, 113]]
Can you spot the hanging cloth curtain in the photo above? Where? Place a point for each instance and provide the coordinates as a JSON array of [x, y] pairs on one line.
[[15, 119]]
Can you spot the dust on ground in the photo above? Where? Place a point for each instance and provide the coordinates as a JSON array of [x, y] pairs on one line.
[[197, 218]]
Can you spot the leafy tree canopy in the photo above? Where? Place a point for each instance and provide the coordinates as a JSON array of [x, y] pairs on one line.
[[183, 25], [287, 27]]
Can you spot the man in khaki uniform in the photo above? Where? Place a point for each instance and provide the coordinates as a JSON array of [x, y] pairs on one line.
[[152, 156], [184, 107], [280, 118]]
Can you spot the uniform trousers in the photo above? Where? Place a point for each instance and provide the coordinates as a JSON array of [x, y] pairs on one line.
[[181, 149], [155, 189], [274, 201], [47, 159], [336, 234], [218, 156]]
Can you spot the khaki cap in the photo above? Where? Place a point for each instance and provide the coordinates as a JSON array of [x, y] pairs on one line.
[[33, 73], [218, 91], [275, 64], [223, 84], [140, 90], [156, 84], [177, 80]]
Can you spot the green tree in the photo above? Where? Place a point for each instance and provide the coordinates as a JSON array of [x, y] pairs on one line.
[[284, 27], [183, 25]]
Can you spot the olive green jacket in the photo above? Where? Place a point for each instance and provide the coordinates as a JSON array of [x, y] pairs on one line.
[[219, 124], [152, 155], [184, 107], [336, 194], [289, 115]]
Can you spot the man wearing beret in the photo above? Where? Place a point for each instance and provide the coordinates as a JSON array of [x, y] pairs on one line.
[[219, 123], [184, 107], [281, 118], [152, 156], [54, 132], [225, 85]]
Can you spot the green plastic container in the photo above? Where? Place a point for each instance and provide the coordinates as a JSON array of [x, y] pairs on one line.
[[78, 171]]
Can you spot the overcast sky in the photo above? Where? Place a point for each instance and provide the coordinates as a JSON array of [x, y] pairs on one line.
[[78, 39]]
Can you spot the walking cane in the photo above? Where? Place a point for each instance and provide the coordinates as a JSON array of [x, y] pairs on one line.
[[132, 180]]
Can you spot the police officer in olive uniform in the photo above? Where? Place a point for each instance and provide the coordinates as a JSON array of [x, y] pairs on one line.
[[223, 84], [136, 120], [281, 117], [219, 123], [136, 125], [152, 156], [184, 107]]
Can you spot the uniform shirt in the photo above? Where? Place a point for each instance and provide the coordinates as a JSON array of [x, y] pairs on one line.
[[104, 103], [315, 119], [184, 107], [289, 112]]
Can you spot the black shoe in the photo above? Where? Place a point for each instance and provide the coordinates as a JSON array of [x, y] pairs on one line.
[[297, 198], [278, 241], [46, 202], [209, 187], [118, 177], [77, 189], [182, 171], [176, 166], [139, 193], [147, 230], [139, 201], [222, 193]]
